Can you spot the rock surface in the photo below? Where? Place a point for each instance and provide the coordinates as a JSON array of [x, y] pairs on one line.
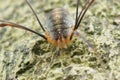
[[26, 56]]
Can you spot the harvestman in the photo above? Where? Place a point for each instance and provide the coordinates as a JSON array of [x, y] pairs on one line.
[[60, 26]]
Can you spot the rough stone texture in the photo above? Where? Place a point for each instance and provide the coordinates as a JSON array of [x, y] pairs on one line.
[[26, 56]]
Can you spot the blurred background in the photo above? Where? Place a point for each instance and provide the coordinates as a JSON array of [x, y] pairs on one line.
[[26, 56]]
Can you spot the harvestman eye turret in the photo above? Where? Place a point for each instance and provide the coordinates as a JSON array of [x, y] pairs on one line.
[[60, 25]]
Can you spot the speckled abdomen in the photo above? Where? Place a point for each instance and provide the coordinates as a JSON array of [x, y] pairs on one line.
[[59, 23]]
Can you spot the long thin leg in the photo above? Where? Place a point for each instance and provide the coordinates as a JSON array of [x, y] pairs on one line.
[[10, 24], [98, 57], [85, 40], [76, 19], [35, 15], [77, 3], [82, 13], [97, 54]]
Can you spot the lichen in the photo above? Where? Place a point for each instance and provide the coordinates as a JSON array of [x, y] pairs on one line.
[[26, 56]]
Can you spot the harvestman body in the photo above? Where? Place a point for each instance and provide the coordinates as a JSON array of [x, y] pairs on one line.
[[60, 25]]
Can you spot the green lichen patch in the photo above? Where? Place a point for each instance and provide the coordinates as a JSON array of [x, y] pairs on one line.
[[26, 56]]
